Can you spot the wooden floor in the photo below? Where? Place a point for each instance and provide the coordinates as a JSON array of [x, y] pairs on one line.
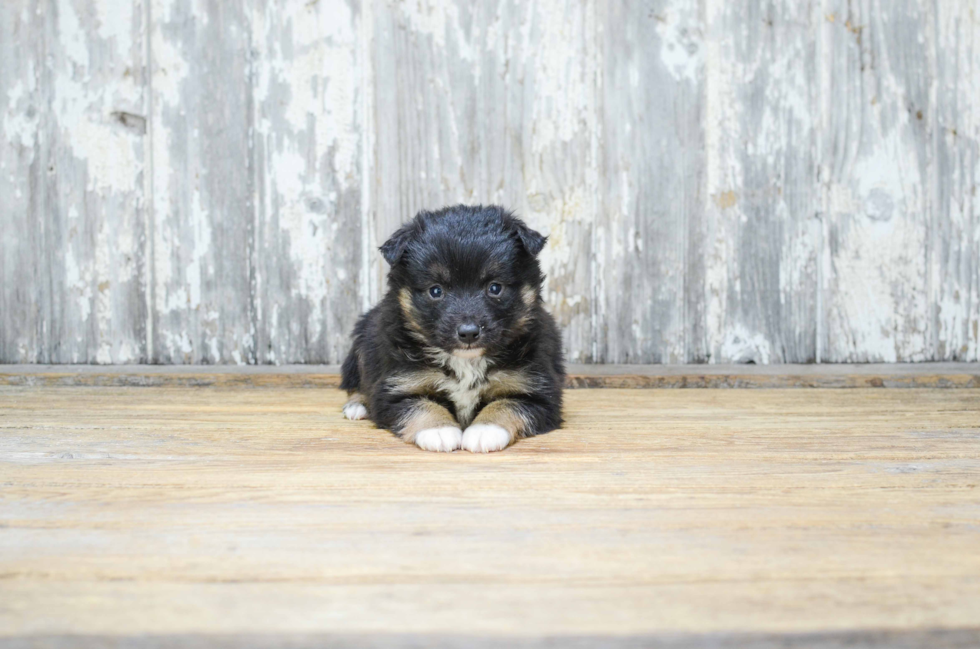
[[259, 517]]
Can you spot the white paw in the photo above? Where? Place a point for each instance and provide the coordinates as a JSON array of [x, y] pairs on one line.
[[355, 410], [485, 438], [445, 439]]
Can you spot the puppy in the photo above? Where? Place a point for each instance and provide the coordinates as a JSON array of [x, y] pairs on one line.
[[460, 353]]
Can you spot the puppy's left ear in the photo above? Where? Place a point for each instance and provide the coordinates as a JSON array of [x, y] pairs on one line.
[[532, 240], [394, 248]]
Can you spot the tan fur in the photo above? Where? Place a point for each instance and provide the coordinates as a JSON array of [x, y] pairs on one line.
[[465, 393], [408, 310], [405, 301], [505, 383], [493, 268], [421, 382], [424, 414], [521, 324], [504, 413], [357, 397], [441, 273], [529, 295]]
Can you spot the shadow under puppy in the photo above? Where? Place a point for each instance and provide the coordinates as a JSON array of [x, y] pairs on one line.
[[460, 352]]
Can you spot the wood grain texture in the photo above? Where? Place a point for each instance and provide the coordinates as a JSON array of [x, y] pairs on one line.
[[307, 146], [651, 174], [493, 103], [849, 513], [21, 171], [955, 236], [876, 158], [203, 225], [73, 163], [207, 182], [965, 638], [837, 375], [761, 234]]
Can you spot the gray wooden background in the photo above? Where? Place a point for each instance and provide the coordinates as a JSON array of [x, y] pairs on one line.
[[206, 181]]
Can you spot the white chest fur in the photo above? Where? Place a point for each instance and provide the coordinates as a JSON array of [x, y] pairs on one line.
[[464, 384]]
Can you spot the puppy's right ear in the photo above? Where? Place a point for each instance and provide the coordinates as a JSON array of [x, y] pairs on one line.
[[394, 248]]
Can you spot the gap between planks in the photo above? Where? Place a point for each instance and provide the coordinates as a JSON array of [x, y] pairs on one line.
[[901, 375]]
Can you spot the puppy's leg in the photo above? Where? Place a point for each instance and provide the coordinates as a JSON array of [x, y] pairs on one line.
[[428, 425], [503, 421], [499, 424], [356, 407]]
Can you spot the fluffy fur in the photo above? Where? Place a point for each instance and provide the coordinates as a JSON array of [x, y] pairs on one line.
[[415, 367]]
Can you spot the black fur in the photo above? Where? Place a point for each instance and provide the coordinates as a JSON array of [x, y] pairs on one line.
[[463, 250]]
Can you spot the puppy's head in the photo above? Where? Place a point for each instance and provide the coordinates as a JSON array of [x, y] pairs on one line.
[[467, 278]]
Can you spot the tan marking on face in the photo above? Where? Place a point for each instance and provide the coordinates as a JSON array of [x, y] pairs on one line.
[[408, 310], [423, 414], [529, 295], [405, 301], [506, 414], [520, 325], [491, 269], [421, 382], [441, 273], [505, 383]]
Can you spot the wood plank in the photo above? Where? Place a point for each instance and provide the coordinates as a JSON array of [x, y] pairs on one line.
[[21, 170], [876, 164], [75, 116], [307, 145], [919, 375], [760, 231], [932, 638], [922, 375], [492, 103], [252, 376], [698, 515], [203, 229], [956, 237], [651, 173]]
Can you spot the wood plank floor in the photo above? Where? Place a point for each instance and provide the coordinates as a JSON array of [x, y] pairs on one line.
[[864, 375], [236, 516]]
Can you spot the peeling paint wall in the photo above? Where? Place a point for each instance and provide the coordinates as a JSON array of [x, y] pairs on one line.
[[72, 168], [204, 181]]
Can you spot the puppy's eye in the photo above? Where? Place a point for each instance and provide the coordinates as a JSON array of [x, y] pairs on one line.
[[435, 292], [495, 289]]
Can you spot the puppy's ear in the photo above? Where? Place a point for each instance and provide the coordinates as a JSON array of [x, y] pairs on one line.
[[532, 240], [394, 248]]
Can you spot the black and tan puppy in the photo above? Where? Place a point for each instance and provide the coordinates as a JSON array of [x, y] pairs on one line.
[[460, 352]]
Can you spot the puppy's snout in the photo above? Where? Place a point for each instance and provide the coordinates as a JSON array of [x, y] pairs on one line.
[[468, 332]]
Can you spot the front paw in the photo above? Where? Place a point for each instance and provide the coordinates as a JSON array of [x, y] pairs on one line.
[[444, 439], [486, 438], [355, 410]]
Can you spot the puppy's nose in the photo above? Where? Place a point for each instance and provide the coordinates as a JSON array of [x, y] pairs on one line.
[[468, 333]]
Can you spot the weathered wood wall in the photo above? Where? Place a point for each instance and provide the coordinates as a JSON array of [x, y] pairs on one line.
[[205, 181]]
